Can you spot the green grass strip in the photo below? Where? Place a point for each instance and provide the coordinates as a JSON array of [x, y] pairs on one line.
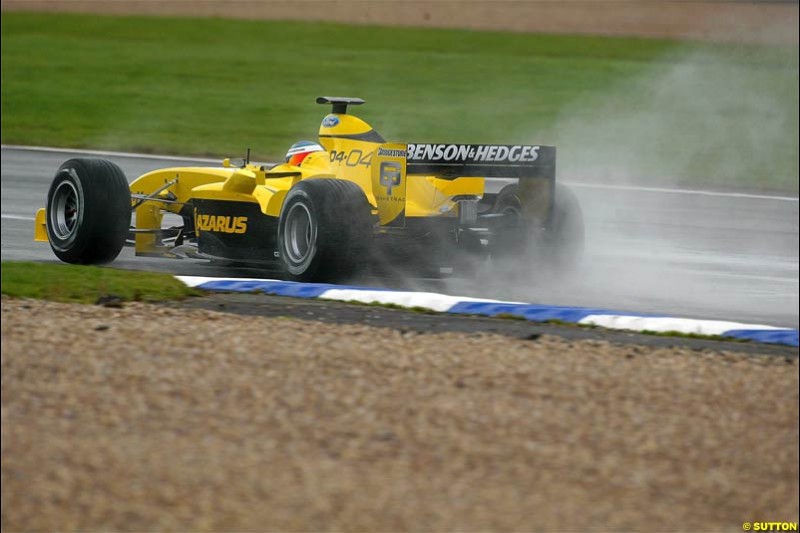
[[657, 110], [87, 284]]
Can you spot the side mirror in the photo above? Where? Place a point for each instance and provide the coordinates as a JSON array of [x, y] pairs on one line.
[[233, 163]]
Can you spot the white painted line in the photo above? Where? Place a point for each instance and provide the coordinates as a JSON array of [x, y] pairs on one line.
[[774, 279], [681, 191], [16, 217], [108, 154]]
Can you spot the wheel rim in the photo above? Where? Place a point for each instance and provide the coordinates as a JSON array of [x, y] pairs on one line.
[[298, 234], [65, 210]]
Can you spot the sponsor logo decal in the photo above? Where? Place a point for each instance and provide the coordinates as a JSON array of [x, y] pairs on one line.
[[390, 175], [330, 121], [388, 152], [220, 223], [472, 153]]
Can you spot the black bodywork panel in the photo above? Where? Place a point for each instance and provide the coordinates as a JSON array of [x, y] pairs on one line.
[[234, 230]]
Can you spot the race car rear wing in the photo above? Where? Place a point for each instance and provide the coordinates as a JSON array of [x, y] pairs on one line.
[[534, 165], [484, 160]]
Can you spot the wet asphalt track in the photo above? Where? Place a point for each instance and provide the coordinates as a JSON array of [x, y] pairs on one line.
[[711, 256]]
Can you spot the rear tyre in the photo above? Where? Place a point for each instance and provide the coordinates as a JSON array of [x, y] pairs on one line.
[[562, 241], [555, 248], [88, 211], [324, 230], [510, 241]]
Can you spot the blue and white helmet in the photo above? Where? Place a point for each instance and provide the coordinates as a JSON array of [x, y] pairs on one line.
[[300, 150]]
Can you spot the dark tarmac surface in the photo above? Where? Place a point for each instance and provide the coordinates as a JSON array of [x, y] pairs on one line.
[[710, 255]]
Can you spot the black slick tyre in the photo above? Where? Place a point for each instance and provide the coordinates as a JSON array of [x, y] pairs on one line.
[[88, 211], [325, 230], [554, 249], [510, 240], [562, 242]]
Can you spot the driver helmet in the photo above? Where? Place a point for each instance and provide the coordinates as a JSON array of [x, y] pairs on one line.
[[300, 150]]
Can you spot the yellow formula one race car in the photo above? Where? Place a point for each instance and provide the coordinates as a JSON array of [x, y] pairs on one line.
[[332, 208]]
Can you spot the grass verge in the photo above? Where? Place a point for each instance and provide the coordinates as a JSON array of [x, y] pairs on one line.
[[698, 114], [87, 284]]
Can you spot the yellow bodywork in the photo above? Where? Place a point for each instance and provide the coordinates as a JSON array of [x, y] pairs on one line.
[[40, 227], [350, 145], [351, 159]]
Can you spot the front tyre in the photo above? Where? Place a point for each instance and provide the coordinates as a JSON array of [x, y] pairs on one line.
[[324, 230], [88, 211]]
